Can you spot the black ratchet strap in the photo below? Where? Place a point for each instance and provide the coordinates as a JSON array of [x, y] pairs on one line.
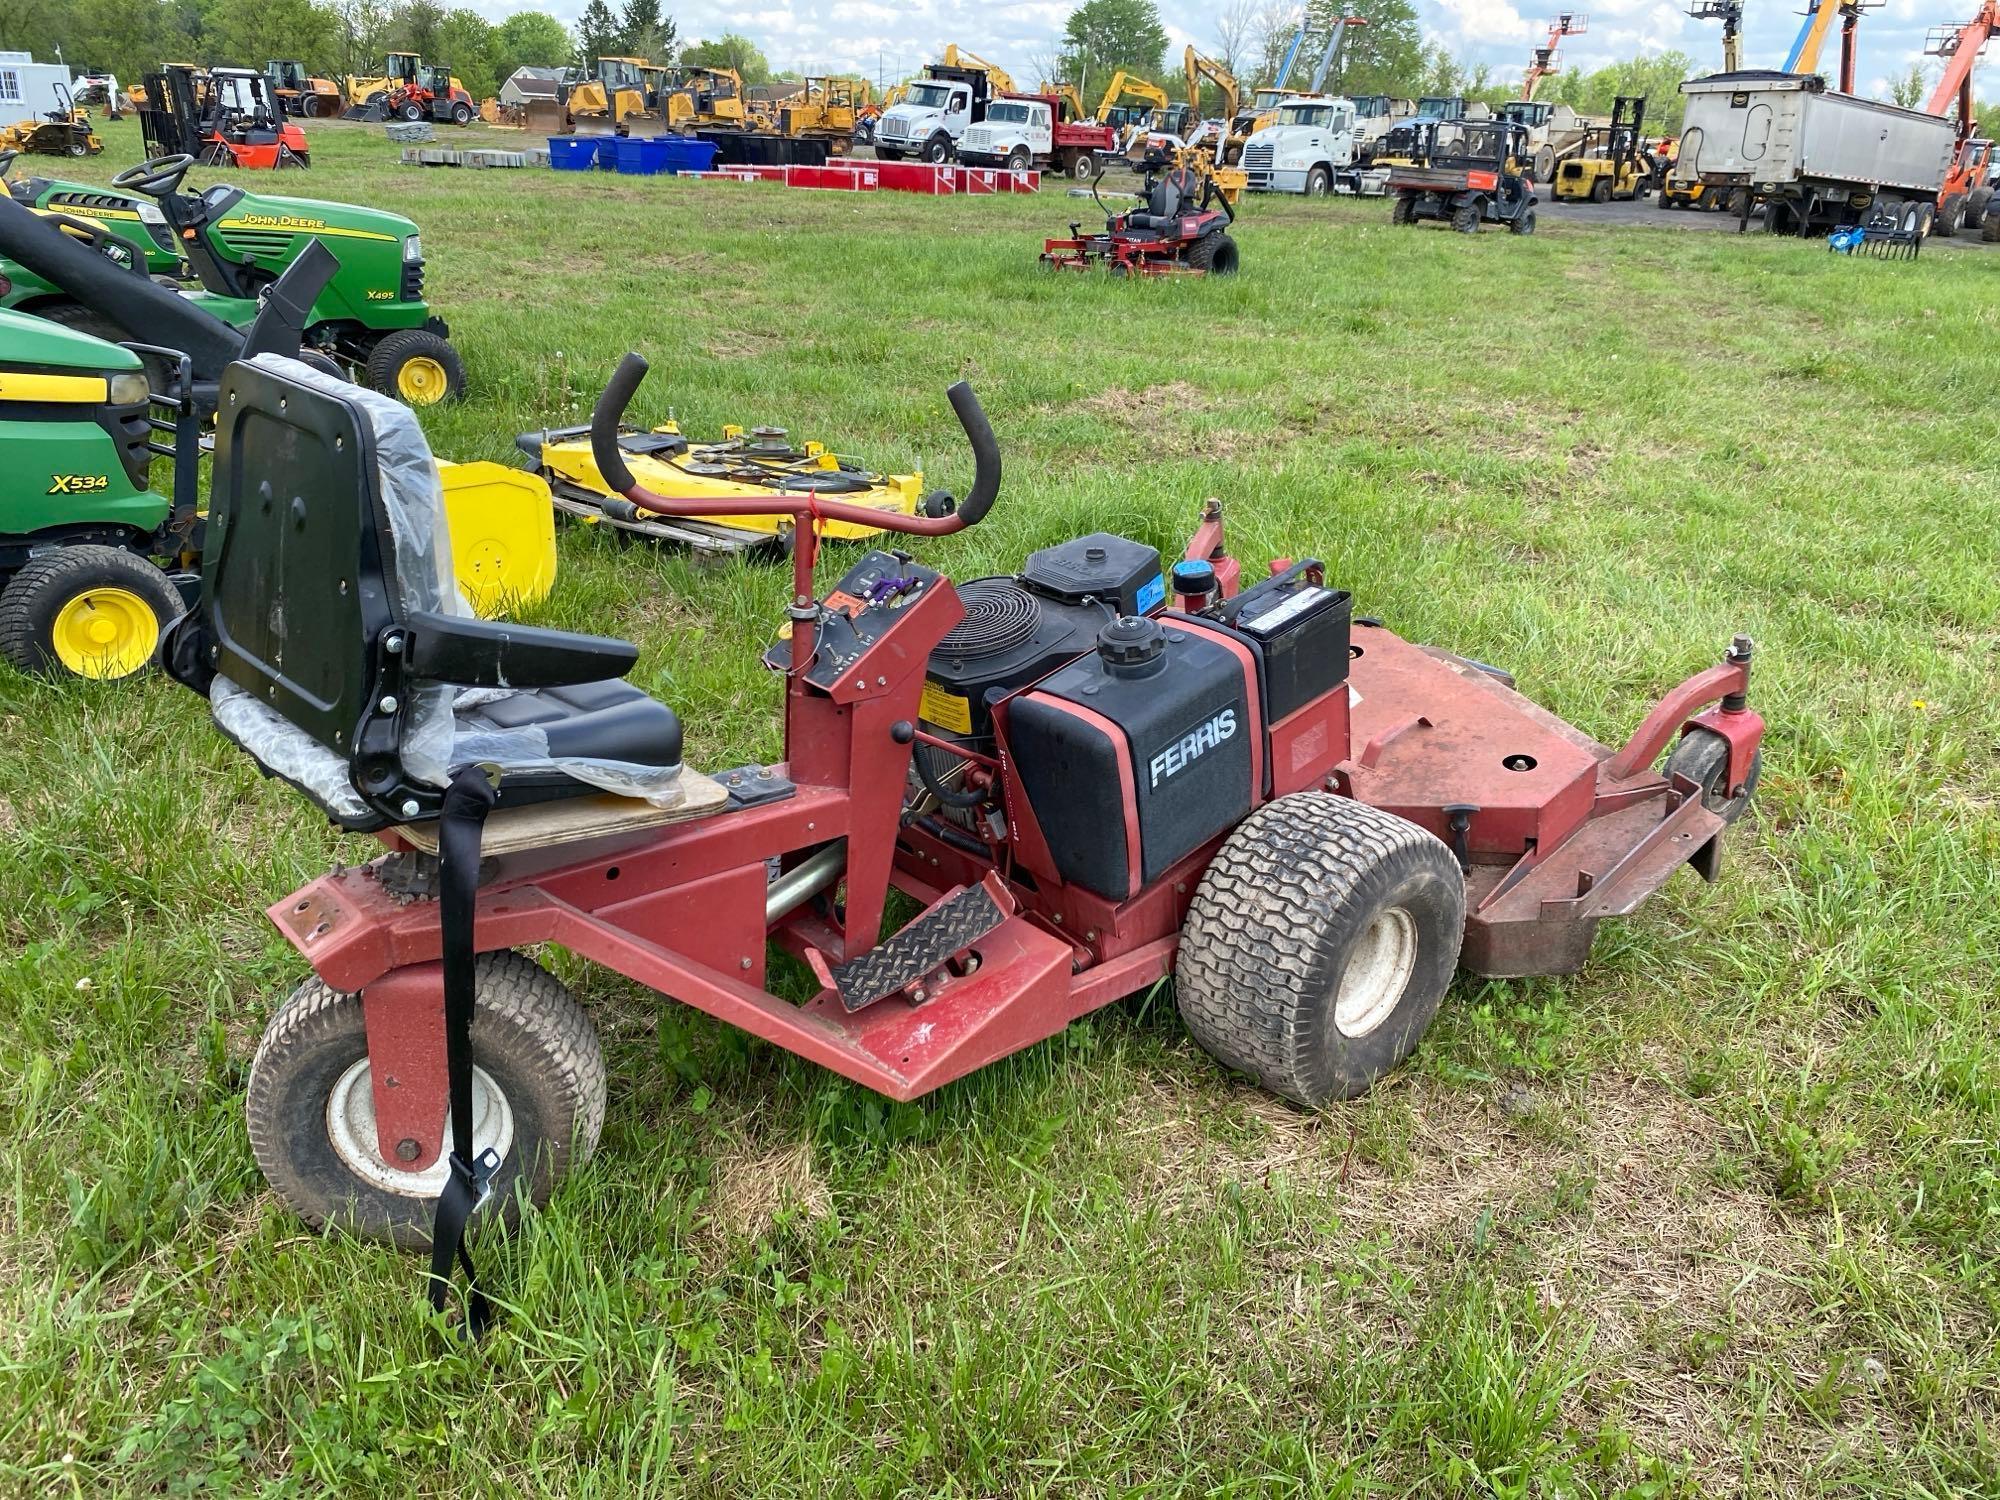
[[471, 795]]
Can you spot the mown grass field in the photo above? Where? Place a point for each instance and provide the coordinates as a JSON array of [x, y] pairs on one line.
[[1718, 1216]]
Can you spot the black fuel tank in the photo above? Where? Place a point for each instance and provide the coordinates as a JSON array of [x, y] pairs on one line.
[[1150, 734]]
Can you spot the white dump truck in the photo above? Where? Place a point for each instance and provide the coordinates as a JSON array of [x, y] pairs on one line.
[[1308, 150], [934, 115], [1026, 130], [1818, 159]]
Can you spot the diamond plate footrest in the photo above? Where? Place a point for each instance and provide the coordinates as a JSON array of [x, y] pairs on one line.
[[939, 935]]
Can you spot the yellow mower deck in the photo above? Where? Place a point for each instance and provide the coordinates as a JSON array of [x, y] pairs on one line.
[[742, 464]]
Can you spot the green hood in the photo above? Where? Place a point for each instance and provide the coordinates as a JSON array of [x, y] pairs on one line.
[[27, 340]]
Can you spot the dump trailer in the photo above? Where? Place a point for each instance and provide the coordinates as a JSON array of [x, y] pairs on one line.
[[1818, 158]]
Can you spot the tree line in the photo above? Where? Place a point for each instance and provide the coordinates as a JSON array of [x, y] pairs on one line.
[[1389, 55], [334, 38]]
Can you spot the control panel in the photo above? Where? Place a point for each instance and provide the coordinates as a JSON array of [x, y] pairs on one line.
[[861, 609]]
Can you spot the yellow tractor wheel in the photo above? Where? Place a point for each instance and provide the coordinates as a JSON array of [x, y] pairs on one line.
[[88, 611], [417, 367]]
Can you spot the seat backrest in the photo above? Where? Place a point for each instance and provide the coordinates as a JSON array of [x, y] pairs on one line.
[[326, 528], [330, 624], [1164, 199]]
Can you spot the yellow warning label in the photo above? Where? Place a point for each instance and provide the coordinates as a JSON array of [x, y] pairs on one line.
[[946, 710]]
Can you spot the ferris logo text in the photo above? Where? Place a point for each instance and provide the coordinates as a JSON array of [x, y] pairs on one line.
[[78, 484], [1191, 746]]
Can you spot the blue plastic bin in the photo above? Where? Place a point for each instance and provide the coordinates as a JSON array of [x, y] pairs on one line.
[[687, 154], [642, 155], [573, 153]]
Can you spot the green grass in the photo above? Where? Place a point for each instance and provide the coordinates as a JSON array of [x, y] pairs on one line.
[[1718, 1215]]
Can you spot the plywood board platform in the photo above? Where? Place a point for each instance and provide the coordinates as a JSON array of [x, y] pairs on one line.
[[574, 820]]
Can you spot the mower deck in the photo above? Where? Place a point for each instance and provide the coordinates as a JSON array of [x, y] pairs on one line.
[[740, 465]]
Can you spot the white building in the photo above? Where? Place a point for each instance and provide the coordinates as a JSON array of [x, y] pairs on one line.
[[29, 88]]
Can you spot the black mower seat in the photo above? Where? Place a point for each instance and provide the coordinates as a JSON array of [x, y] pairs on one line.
[[333, 644], [1166, 201]]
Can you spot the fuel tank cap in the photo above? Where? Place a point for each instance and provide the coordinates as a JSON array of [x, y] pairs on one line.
[[1132, 646]]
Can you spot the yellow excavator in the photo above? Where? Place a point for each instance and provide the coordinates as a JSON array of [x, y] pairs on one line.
[[1072, 101], [1126, 119], [956, 56], [1199, 68]]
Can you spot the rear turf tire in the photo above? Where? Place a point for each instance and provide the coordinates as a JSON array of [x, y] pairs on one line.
[[529, 1037], [1403, 209], [159, 374], [86, 611], [1318, 945], [1215, 253], [1465, 220]]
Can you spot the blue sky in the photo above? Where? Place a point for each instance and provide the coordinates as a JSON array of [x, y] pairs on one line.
[[864, 35]]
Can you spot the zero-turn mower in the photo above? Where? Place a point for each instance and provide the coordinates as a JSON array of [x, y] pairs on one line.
[[94, 558], [63, 131], [1181, 228], [1089, 775], [1462, 173], [371, 319], [741, 465]]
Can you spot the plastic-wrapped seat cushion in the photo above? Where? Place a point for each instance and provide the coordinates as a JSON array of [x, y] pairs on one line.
[[608, 735]]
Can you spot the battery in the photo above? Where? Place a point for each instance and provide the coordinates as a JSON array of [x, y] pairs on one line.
[[1300, 628]]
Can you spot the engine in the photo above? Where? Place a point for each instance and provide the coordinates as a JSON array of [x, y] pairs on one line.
[[1134, 734]]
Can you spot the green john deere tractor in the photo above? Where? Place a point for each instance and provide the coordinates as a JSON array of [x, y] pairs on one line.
[[79, 520], [372, 318]]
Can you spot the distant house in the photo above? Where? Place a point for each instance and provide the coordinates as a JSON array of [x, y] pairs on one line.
[[530, 83], [29, 88]]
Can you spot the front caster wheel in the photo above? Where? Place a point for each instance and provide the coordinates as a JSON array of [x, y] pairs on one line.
[[537, 1099], [1318, 945], [417, 367], [1702, 756]]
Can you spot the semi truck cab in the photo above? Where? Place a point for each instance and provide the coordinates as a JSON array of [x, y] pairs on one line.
[[1312, 141], [934, 115]]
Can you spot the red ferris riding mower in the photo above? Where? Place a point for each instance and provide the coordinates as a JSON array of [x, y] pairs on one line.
[[1090, 777], [1182, 229]]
